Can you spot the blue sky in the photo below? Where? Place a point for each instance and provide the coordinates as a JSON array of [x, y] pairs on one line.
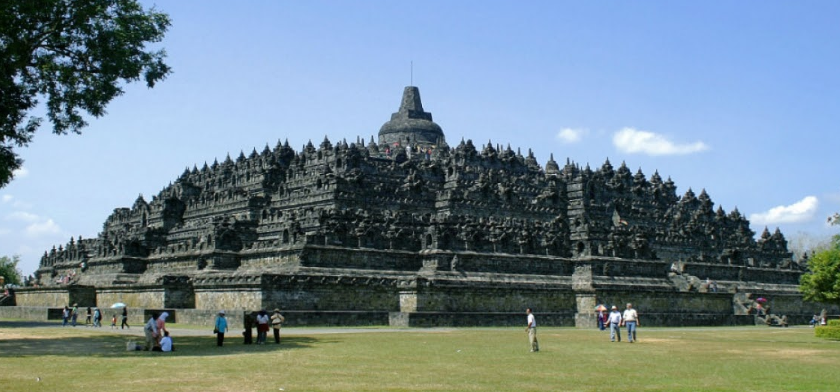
[[739, 98]]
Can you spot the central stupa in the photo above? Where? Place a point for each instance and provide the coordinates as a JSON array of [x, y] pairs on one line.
[[411, 125]]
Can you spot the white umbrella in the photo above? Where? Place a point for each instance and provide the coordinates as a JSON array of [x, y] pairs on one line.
[[118, 305]]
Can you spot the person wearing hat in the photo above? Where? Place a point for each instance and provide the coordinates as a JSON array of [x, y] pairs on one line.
[[277, 320], [221, 328], [614, 319]]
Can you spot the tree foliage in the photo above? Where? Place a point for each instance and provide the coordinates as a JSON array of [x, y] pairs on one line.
[[75, 54], [822, 281], [803, 244], [9, 270]]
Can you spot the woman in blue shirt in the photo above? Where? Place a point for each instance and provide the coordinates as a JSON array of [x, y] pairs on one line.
[[221, 328]]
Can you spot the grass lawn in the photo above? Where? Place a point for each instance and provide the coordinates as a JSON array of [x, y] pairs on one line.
[[468, 359]]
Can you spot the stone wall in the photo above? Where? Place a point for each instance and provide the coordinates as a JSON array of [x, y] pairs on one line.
[[494, 298], [360, 259], [797, 310], [329, 293], [228, 298], [480, 319], [668, 302], [133, 296], [42, 297]]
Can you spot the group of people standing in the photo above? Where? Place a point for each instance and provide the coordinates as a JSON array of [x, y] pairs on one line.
[[262, 320], [615, 320]]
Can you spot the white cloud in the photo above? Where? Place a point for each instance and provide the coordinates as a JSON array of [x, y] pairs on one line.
[[633, 141], [800, 211], [7, 198], [571, 135], [21, 173], [22, 216], [47, 227]]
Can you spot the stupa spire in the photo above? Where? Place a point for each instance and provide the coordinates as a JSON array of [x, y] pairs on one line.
[[411, 122]]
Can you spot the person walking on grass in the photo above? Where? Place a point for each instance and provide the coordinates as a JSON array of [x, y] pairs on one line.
[[614, 320], [631, 319], [532, 331], [220, 328], [74, 314], [125, 318], [65, 315], [89, 317]]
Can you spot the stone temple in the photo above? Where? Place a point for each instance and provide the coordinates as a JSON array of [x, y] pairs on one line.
[[409, 230]]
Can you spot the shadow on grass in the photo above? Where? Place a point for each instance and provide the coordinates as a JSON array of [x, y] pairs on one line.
[[31, 324], [33, 344]]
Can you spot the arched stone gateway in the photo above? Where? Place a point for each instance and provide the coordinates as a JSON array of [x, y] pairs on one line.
[[415, 231]]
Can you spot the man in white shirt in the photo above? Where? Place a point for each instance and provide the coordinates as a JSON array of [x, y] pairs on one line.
[[614, 320], [532, 331], [631, 319]]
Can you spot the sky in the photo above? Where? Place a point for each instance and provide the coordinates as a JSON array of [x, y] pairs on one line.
[[741, 99]]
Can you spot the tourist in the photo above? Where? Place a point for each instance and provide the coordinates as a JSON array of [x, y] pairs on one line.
[[614, 320], [262, 326], [277, 320], [114, 321], [65, 315], [602, 320], [166, 342], [248, 322], [532, 331], [74, 314], [631, 319], [124, 318], [221, 328], [97, 317], [151, 331], [161, 325], [89, 317]]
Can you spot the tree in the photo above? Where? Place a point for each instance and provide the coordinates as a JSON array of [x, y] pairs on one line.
[[9, 271], [804, 244], [822, 281], [76, 54]]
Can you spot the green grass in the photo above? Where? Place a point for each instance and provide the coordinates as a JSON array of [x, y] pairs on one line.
[[473, 359]]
